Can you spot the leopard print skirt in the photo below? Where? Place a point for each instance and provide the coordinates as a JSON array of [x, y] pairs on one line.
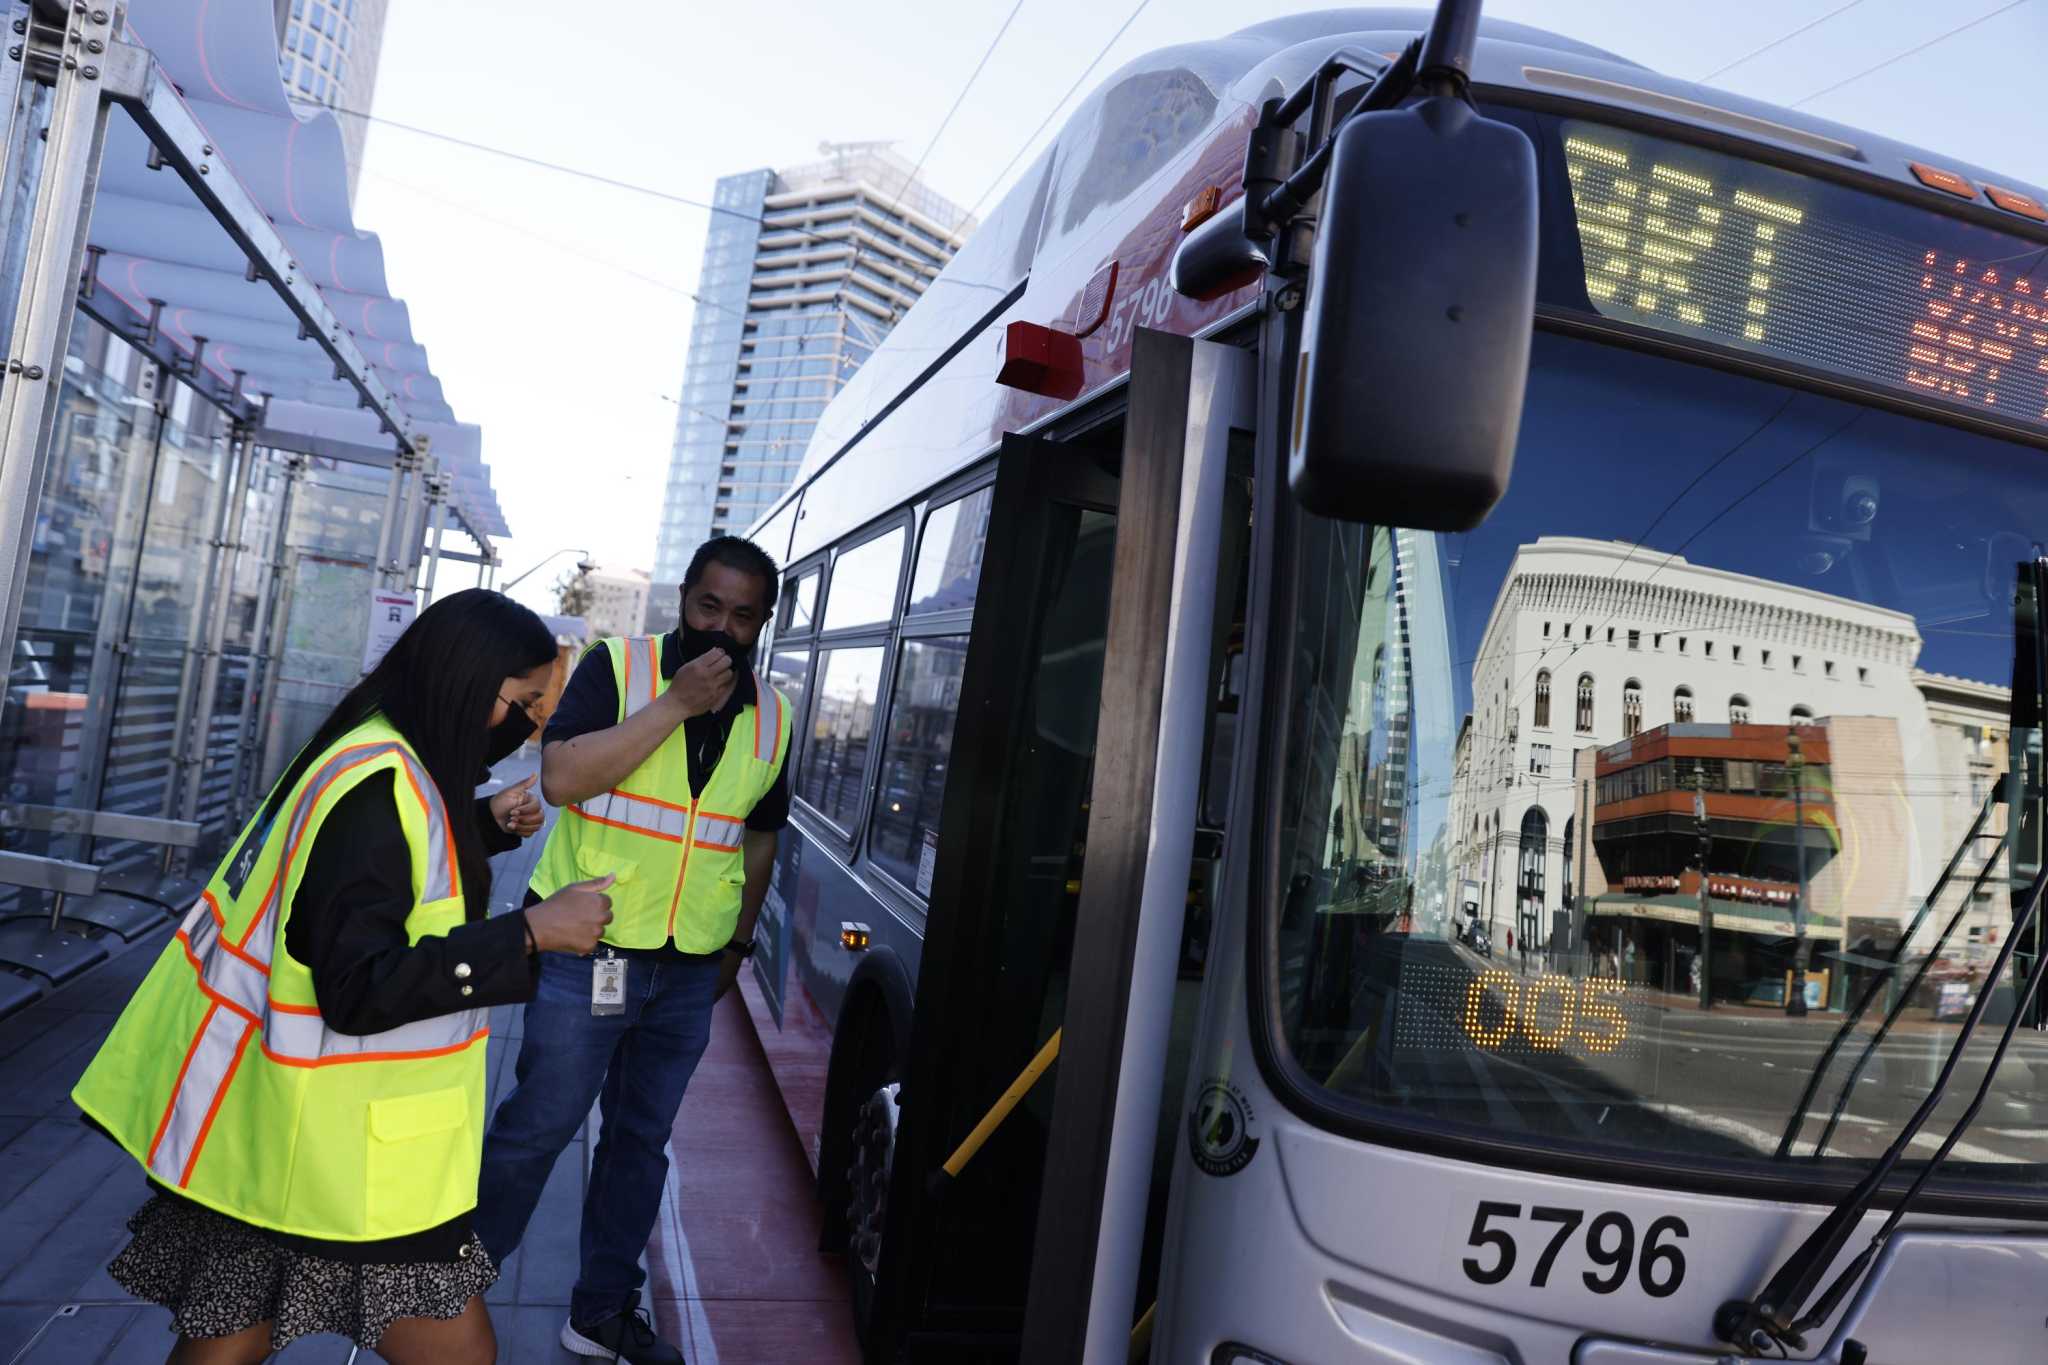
[[219, 1276]]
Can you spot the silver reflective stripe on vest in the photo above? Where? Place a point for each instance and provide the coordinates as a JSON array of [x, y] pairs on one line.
[[209, 1066], [767, 720], [637, 814], [720, 832], [643, 671], [305, 1038], [236, 978]]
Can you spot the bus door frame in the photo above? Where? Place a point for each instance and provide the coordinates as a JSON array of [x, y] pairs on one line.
[[1184, 399]]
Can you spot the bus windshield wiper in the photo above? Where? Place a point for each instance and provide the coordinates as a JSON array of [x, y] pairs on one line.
[[1778, 1315], [1879, 980], [1778, 1318]]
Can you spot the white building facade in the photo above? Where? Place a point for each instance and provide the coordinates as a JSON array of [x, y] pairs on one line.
[[1592, 642]]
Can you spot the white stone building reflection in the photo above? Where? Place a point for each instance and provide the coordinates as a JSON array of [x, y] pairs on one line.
[[1592, 643]]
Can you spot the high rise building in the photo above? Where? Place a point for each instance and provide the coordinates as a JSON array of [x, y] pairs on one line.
[[327, 54], [805, 271]]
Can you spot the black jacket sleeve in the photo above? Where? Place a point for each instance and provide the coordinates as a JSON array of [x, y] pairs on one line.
[[348, 926]]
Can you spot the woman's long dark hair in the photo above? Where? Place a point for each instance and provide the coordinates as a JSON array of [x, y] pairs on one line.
[[437, 686]]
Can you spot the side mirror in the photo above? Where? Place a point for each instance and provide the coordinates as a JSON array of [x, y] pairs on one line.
[[1421, 299]]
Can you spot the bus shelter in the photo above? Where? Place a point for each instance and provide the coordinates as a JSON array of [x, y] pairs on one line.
[[227, 472]]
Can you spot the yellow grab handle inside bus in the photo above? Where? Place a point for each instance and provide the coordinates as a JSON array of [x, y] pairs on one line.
[[993, 1119], [1141, 1337]]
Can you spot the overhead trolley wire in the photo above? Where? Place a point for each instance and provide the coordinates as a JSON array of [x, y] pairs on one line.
[[1778, 41], [1058, 105], [1909, 52]]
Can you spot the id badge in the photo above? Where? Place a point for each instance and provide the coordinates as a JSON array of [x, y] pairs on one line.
[[608, 985]]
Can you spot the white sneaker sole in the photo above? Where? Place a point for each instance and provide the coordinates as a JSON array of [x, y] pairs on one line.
[[578, 1344]]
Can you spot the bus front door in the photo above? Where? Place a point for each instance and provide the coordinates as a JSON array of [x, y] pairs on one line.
[[1069, 818]]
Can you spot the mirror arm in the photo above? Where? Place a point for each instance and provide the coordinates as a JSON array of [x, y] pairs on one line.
[[1390, 81], [1446, 61]]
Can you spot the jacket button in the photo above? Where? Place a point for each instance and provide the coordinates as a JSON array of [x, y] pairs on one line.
[[469, 990], [464, 1253], [462, 971]]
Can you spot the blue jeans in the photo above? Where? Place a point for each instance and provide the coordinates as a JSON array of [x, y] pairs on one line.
[[636, 1065]]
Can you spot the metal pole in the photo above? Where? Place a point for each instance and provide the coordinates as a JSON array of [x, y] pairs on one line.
[[1795, 998], [437, 494], [410, 532], [217, 514], [41, 333], [400, 471], [229, 551], [1699, 815], [260, 653]]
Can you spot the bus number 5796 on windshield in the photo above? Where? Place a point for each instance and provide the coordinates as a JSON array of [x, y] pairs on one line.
[[1610, 1244]]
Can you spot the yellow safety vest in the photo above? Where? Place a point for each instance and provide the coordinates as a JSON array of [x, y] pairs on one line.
[[222, 1079], [677, 858]]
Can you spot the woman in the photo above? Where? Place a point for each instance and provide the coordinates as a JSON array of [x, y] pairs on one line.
[[302, 1072]]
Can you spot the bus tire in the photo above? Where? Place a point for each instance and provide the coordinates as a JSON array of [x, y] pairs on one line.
[[870, 1046]]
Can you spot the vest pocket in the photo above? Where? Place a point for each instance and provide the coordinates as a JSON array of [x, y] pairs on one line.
[[604, 862], [421, 1154]]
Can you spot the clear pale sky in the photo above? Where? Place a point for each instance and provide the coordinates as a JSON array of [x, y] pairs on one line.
[[555, 310]]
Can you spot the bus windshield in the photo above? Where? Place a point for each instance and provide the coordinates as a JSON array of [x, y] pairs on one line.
[[1729, 652]]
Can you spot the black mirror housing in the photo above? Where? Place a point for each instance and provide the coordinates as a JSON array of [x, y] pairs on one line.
[[1421, 300]]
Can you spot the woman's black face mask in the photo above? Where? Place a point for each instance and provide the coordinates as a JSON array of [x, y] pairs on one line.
[[508, 734]]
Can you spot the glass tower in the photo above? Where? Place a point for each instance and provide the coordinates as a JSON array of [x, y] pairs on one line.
[[805, 271]]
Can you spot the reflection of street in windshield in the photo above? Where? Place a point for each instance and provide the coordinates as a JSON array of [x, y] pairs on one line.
[[1598, 1057], [1721, 774]]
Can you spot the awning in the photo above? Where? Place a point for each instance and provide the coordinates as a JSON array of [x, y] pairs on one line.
[[287, 304]]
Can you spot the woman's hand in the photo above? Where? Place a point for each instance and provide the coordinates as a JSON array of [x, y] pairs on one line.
[[517, 810], [573, 919]]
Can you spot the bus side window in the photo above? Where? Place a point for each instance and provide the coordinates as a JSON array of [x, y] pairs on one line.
[[789, 654], [949, 557], [915, 749]]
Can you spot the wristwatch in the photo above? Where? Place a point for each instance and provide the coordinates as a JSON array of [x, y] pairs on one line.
[[744, 949]]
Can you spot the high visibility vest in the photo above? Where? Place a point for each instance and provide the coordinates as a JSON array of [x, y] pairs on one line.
[[222, 1079], [677, 857]]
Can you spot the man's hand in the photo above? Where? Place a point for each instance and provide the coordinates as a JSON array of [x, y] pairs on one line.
[[728, 973], [702, 685], [517, 810]]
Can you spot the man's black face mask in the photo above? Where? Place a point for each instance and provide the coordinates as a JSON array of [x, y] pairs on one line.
[[696, 643], [508, 734]]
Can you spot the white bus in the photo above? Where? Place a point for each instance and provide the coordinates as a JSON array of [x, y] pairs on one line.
[[1351, 491]]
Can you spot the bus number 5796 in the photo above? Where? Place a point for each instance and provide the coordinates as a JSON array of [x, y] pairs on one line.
[[1610, 1246]]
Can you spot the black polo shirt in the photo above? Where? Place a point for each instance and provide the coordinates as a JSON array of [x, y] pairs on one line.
[[591, 702]]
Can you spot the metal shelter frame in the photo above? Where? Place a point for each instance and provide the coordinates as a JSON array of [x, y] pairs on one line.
[[68, 67]]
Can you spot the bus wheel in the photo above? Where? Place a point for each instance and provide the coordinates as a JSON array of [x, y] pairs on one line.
[[867, 1205]]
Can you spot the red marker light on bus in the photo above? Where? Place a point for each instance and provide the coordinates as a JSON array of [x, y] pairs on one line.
[[1041, 360]]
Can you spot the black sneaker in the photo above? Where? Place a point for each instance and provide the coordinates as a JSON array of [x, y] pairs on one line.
[[629, 1337]]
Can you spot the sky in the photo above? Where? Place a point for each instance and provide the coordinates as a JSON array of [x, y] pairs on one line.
[[555, 310]]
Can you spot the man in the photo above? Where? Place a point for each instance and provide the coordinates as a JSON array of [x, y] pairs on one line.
[[667, 756]]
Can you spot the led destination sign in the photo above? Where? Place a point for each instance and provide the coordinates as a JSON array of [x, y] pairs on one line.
[[1505, 1013], [1690, 241]]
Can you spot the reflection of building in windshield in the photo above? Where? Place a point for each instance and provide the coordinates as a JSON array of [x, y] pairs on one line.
[[1610, 685], [1363, 853]]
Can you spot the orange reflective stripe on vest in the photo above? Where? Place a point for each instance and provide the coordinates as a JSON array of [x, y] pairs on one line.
[[643, 672], [767, 720]]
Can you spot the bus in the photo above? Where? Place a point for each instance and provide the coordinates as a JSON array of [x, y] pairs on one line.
[[1418, 732]]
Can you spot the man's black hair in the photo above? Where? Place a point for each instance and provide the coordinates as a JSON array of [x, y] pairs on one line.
[[735, 552]]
